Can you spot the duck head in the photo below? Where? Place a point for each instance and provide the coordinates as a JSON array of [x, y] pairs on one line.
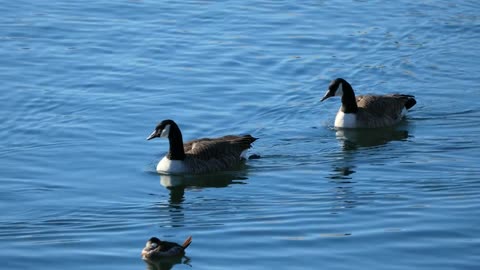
[[152, 244]]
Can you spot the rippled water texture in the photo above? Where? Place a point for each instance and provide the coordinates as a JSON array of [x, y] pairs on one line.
[[85, 82]]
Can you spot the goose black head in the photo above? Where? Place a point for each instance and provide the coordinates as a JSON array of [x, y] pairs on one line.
[[162, 130], [153, 243], [335, 88]]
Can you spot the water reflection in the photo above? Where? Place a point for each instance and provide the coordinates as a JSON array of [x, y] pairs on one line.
[[342, 173], [178, 184], [343, 170], [355, 138], [344, 192], [166, 263], [176, 195], [217, 180]]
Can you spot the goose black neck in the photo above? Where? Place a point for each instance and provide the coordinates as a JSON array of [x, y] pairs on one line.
[[175, 139], [349, 102]]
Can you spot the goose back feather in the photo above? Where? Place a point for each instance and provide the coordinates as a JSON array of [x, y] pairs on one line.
[[216, 154], [382, 110]]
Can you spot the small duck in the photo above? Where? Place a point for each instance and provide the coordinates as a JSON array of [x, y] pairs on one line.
[[201, 155], [367, 111], [156, 249]]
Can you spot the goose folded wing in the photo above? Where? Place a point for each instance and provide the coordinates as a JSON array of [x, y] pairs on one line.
[[218, 148], [381, 106]]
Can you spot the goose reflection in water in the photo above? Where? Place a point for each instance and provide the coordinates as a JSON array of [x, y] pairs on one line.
[[217, 180], [345, 196], [178, 183], [353, 139], [342, 173]]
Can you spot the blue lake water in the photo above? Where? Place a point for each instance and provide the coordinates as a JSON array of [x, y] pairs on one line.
[[85, 82]]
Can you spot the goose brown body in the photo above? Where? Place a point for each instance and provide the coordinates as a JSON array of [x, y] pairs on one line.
[[209, 155], [200, 155], [376, 111], [368, 111]]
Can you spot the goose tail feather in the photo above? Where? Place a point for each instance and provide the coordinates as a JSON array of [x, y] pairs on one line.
[[246, 141], [410, 102]]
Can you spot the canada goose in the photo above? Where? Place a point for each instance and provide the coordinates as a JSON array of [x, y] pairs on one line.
[[367, 111], [157, 249], [202, 155]]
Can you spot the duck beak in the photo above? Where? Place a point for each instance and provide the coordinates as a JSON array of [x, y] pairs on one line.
[[153, 135], [328, 94]]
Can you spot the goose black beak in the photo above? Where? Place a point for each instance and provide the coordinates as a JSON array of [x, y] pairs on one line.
[[327, 95], [153, 135]]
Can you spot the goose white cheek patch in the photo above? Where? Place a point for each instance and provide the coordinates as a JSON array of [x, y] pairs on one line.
[[165, 132], [339, 91]]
